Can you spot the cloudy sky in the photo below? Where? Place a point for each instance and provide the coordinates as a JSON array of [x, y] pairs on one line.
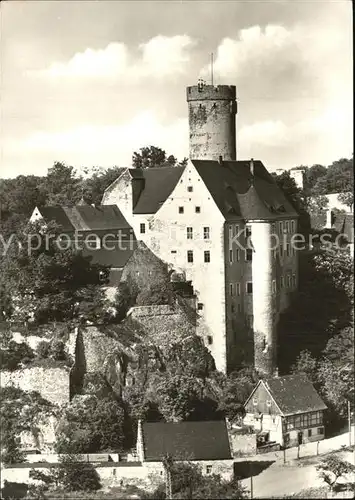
[[88, 83]]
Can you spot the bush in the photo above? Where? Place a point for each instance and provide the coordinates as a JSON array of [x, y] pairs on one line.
[[57, 350], [15, 354], [43, 349], [79, 476]]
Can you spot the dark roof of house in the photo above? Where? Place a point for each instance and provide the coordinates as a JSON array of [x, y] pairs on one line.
[[115, 257], [238, 193], [186, 440], [158, 185], [86, 217], [294, 394]]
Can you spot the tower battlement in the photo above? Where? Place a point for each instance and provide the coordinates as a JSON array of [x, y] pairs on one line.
[[211, 93]]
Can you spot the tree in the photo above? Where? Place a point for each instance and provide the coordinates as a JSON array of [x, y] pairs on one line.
[[70, 474], [62, 186], [20, 411], [90, 424], [306, 364], [235, 390], [15, 354], [312, 174], [42, 282], [296, 197], [189, 483], [332, 468], [97, 181], [347, 198], [336, 371], [153, 156]]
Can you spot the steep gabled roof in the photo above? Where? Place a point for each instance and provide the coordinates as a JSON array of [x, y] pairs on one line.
[[158, 185], [238, 193], [206, 440], [58, 215], [294, 394], [85, 217]]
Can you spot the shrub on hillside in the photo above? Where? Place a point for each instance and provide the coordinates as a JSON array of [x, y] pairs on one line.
[[15, 354]]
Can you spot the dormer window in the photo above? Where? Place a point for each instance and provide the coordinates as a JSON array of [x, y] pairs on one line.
[[93, 242]]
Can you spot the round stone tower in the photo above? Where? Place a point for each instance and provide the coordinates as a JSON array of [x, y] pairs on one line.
[[264, 324], [212, 113]]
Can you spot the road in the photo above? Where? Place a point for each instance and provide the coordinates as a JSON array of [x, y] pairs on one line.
[[271, 477], [279, 480]]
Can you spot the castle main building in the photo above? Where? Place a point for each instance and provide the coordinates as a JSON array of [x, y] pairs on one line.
[[226, 225]]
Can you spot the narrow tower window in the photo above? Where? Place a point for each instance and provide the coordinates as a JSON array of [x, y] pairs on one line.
[[189, 233], [206, 233], [190, 256], [207, 256]]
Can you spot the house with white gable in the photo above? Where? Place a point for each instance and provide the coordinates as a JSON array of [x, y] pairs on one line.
[[226, 225]]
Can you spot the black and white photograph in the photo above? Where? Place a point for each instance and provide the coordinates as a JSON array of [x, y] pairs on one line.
[[176, 249]]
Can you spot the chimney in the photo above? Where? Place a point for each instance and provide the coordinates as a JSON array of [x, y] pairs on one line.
[[328, 224], [252, 166], [220, 160]]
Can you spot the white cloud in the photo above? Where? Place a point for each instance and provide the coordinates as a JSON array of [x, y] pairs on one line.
[[159, 57], [319, 139], [106, 146]]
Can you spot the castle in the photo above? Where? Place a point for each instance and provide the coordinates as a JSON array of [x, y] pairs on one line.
[[225, 225]]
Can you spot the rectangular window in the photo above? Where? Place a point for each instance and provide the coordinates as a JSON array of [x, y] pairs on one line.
[[209, 340], [230, 256], [189, 233], [281, 227], [282, 282], [173, 251], [200, 306], [237, 254], [320, 430], [206, 233], [288, 281], [237, 230], [273, 286], [198, 210], [142, 228], [247, 231], [281, 250], [287, 226], [190, 256], [231, 289], [292, 226], [232, 308], [309, 433], [208, 469], [238, 288], [181, 210], [249, 287], [207, 256], [294, 281], [288, 249], [189, 188], [248, 254]]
